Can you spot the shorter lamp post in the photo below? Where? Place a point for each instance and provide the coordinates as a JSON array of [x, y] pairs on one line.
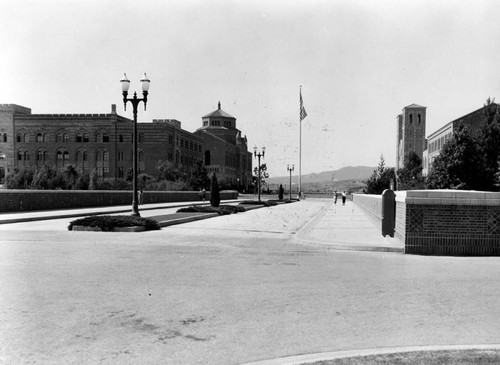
[[259, 155], [135, 102], [290, 169]]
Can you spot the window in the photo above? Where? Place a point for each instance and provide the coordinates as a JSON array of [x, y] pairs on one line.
[[120, 138], [170, 139], [19, 137], [85, 137], [65, 137], [5, 137], [411, 118], [106, 162], [45, 137], [142, 162], [207, 157], [59, 137], [26, 137], [419, 120], [182, 142], [39, 137], [120, 156], [105, 138], [99, 163], [79, 138]]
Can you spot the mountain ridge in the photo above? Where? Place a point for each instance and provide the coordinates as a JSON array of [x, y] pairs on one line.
[[344, 173]]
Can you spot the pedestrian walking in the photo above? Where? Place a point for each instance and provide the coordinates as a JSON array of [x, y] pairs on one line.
[[344, 196], [335, 197], [203, 194], [141, 193]]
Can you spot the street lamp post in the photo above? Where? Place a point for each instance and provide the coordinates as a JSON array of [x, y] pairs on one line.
[[290, 169], [259, 155], [135, 102]]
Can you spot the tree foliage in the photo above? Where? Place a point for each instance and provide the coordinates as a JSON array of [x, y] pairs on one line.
[[469, 163], [199, 177], [459, 165], [381, 178], [410, 176], [263, 175], [214, 192]]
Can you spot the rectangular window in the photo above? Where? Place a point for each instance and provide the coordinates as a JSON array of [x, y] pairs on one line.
[[170, 139]]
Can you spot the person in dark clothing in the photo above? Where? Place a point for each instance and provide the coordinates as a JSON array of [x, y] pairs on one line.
[[344, 196]]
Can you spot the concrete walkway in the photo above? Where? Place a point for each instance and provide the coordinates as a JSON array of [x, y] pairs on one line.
[[334, 226]]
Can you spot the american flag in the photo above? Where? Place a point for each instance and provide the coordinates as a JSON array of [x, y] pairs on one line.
[[303, 113]]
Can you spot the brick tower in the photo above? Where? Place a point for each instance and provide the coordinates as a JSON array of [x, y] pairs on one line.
[[410, 133]]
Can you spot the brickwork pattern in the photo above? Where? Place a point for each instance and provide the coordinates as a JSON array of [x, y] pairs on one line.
[[452, 229]]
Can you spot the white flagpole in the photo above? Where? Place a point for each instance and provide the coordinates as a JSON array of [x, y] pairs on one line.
[[300, 142]]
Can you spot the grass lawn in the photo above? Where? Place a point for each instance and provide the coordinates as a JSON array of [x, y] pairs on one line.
[[455, 357]]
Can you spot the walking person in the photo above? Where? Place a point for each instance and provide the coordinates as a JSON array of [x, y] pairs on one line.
[[335, 197], [203, 194], [344, 196]]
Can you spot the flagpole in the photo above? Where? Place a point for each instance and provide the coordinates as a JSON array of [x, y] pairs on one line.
[[300, 145]]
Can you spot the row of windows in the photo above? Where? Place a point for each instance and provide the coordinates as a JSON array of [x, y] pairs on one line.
[[63, 137], [439, 143], [99, 138], [217, 123]]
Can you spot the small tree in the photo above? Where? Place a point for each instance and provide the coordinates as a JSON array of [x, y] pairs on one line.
[[199, 177], [214, 192], [410, 176], [380, 179], [263, 176], [459, 165]]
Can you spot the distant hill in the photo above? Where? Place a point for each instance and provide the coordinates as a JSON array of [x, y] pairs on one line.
[[357, 173]]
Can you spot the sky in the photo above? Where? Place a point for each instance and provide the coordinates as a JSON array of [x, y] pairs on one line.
[[359, 64]]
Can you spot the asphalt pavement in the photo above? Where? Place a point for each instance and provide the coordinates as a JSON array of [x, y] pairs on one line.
[[260, 286]]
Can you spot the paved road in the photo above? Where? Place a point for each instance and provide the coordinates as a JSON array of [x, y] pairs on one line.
[[229, 290]]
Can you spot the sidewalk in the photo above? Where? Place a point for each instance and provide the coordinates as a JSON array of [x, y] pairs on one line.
[[346, 228]]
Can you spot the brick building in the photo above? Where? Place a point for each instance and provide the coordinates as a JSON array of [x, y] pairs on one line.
[[411, 134], [102, 143]]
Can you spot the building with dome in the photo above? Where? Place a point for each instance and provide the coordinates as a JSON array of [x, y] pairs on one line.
[[102, 144]]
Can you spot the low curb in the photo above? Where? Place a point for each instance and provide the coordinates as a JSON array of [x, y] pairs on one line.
[[325, 356], [115, 229]]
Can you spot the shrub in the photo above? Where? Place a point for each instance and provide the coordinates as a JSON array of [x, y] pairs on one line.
[[266, 203], [222, 209], [214, 192], [108, 222]]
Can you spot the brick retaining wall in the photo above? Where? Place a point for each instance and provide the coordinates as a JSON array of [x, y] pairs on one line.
[[29, 200], [442, 222], [448, 222]]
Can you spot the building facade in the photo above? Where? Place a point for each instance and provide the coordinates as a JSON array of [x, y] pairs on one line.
[[102, 143], [410, 134]]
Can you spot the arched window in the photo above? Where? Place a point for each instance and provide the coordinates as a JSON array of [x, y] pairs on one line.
[[5, 137], [411, 118], [105, 137], [120, 138], [79, 138], [39, 137], [45, 137], [65, 137], [99, 163], [59, 137], [207, 158], [26, 137], [418, 117], [19, 137]]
